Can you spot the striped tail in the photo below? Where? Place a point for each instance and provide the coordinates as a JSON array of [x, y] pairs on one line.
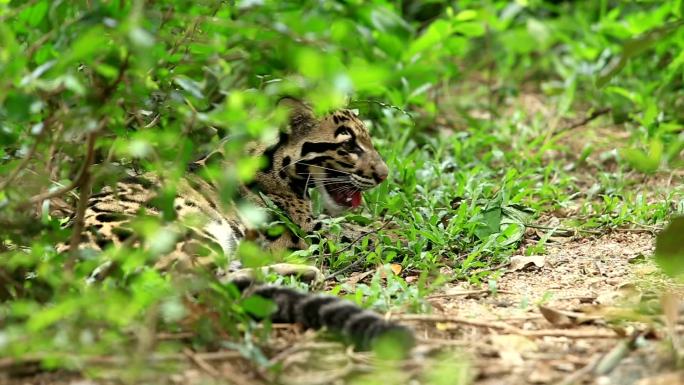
[[356, 326]]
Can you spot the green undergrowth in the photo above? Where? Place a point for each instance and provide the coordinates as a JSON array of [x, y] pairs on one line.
[[93, 91]]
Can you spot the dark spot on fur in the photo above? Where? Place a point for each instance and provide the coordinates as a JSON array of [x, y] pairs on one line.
[[318, 147], [318, 226], [236, 229], [125, 198], [145, 183], [121, 233], [270, 152], [299, 186], [102, 241], [286, 161], [110, 217], [101, 194]]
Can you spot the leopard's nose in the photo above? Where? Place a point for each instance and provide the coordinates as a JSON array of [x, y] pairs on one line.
[[381, 173]]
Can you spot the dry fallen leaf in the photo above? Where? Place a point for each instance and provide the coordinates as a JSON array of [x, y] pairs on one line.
[[520, 262], [564, 318], [357, 277], [395, 268]]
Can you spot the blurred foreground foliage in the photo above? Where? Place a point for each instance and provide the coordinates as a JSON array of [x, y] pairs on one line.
[[92, 89]]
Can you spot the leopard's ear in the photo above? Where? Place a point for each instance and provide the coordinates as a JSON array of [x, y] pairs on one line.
[[302, 117]]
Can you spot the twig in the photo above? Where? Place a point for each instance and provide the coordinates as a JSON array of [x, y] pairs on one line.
[[83, 172], [76, 182], [492, 268], [84, 183], [457, 320], [52, 152], [595, 114], [568, 333], [13, 12], [563, 230], [164, 336], [384, 105], [645, 228], [359, 261], [9, 362], [468, 292], [201, 362], [575, 377], [31, 50], [603, 364], [107, 92]]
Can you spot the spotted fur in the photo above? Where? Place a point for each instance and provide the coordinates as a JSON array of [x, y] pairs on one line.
[[333, 154]]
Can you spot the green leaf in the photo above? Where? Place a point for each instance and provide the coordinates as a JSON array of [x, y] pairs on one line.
[[489, 223], [669, 251], [636, 46], [435, 33], [645, 162], [88, 45], [194, 88], [259, 307], [35, 14], [469, 28]]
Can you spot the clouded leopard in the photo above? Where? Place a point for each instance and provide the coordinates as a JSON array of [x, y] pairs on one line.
[[333, 154]]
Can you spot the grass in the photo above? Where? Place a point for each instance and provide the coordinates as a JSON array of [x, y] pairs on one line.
[[462, 198]]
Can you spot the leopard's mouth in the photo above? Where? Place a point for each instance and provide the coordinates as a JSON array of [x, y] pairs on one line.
[[344, 194]]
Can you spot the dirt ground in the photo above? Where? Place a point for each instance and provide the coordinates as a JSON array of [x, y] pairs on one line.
[[553, 319]]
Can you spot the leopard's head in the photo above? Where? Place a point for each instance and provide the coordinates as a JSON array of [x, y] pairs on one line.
[[334, 153]]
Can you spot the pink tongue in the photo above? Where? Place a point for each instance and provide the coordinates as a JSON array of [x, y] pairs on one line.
[[356, 199]]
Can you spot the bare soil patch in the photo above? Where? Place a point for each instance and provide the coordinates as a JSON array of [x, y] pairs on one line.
[[553, 323]]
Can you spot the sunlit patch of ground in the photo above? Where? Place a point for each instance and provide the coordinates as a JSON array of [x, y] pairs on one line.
[[586, 287]]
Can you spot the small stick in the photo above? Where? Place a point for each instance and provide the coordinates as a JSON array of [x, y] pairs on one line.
[[202, 363], [595, 114], [569, 333], [602, 364], [84, 182], [9, 362], [469, 292]]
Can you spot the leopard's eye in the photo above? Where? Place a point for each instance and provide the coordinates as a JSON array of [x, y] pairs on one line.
[[343, 131]]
